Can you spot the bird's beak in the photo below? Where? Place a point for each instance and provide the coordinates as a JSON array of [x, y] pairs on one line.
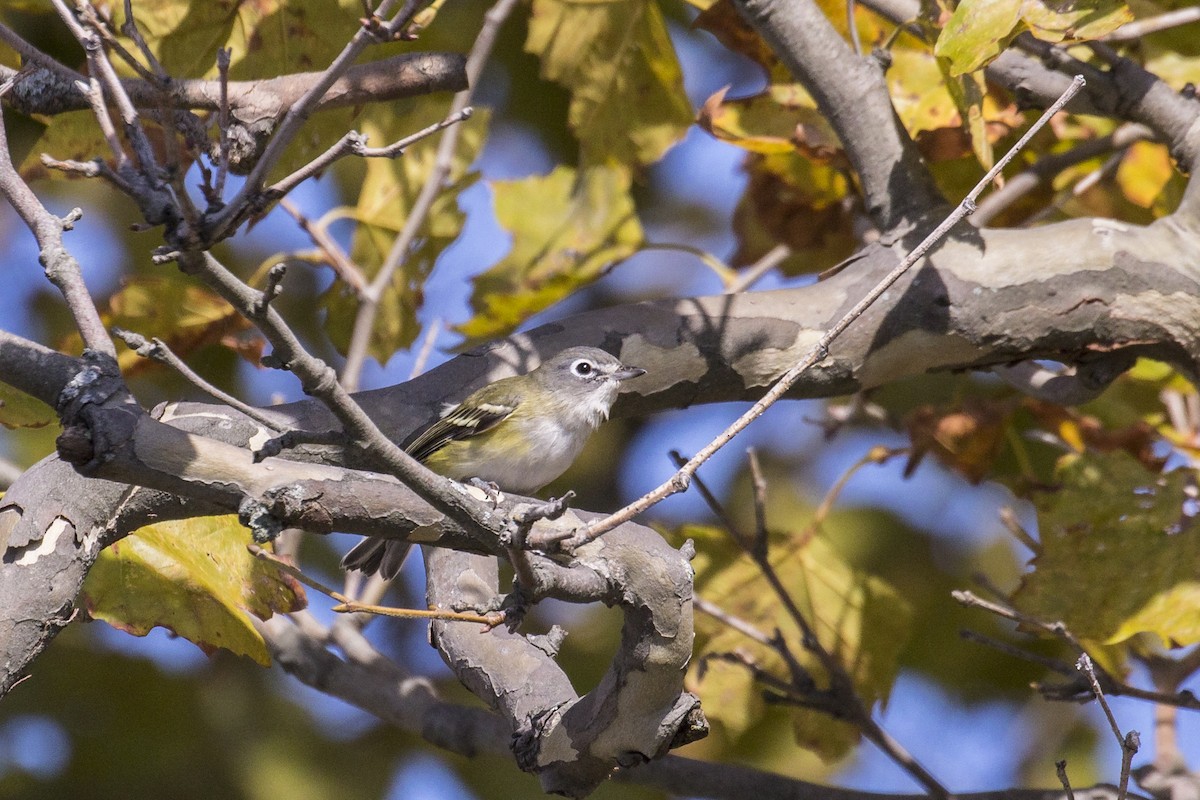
[[625, 373]]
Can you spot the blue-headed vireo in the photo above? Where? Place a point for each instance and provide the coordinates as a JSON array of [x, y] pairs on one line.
[[519, 433]]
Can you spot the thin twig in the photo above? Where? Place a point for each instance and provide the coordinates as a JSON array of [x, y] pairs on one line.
[[876, 455], [397, 148], [1008, 518], [432, 331], [130, 28], [1084, 665], [298, 113], [1060, 767], [347, 605], [852, 27], [223, 56], [1139, 28], [60, 266], [1045, 169], [820, 350], [95, 95], [34, 56], [354, 143], [841, 699], [731, 620], [1129, 743], [754, 273], [758, 483], [101, 26], [338, 259]]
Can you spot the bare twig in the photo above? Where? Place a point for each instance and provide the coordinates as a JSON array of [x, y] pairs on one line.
[[101, 25], [220, 223], [840, 699], [1161, 22], [91, 89], [1060, 767], [1044, 169], [876, 455], [432, 331], [737, 623], [397, 148], [61, 267], [354, 143], [1129, 743], [1008, 518], [338, 259], [679, 482], [754, 273], [223, 56], [348, 605], [34, 56], [130, 28]]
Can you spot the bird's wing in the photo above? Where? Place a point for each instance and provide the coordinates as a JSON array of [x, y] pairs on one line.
[[459, 423]]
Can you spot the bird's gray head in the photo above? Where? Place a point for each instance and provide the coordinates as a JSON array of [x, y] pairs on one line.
[[587, 376]]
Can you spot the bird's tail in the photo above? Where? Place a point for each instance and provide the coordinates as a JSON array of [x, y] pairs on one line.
[[373, 554]]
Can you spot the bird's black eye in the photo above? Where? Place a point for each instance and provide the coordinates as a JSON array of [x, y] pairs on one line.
[[583, 368]]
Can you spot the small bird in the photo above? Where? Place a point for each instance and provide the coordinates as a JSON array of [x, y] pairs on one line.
[[518, 433]]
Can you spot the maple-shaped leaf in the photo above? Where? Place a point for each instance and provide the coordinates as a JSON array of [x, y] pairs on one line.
[[1120, 552], [568, 227], [627, 98], [195, 578]]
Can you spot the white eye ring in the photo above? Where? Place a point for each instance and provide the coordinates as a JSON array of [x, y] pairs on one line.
[[583, 368]]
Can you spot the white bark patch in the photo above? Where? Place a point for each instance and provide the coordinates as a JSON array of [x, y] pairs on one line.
[[261, 435], [1176, 313], [57, 529], [665, 366], [763, 367]]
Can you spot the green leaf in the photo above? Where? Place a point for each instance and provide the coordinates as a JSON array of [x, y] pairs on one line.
[[858, 619], [627, 98], [195, 578], [1120, 553], [976, 33], [19, 410], [567, 229], [1056, 21], [385, 199], [980, 29]]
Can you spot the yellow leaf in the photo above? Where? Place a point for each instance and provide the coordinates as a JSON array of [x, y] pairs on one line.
[[567, 229], [193, 577], [627, 99], [1144, 173]]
